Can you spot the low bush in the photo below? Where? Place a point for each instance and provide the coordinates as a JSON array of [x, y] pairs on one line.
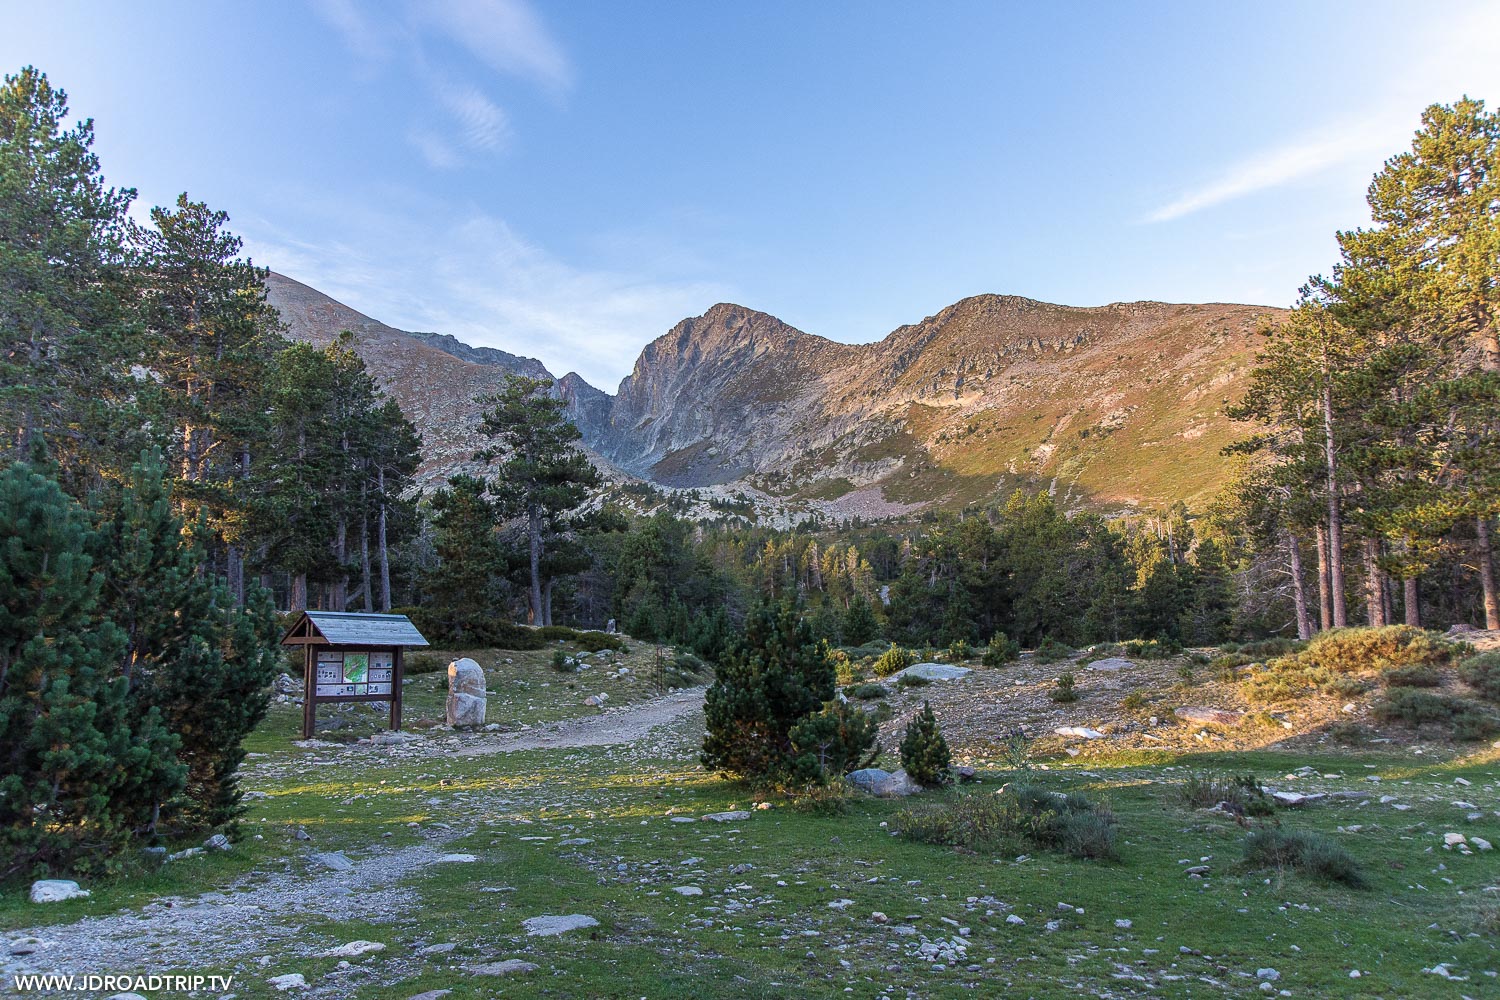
[[1264, 648], [563, 663], [1349, 734], [1149, 649], [868, 651], [1482, 673], [422, 663], [1051, 651], [1023, 814], [1343, 661], [893, 660], [912, 681], [1415, 707], [1064, 692], [1418, 675], [867, 692], [958, 651], [822, 798], [1470, 724], [1000, 651], [1133, 702], [588, 640], [1015, 750], [1240, 794], [1311, 854]]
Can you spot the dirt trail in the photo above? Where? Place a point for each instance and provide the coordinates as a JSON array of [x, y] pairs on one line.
[[624, 725]]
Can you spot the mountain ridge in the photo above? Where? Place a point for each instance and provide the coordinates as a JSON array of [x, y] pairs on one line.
[[1120, 404]]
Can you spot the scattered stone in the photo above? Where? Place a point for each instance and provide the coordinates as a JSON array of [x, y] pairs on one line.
[[1454, 839], [1203, 715], [841, 904], [1123, 924], [683, 819], [125, 996], [596, 700], [431, 995], [26, 945], [1267, 975], [218, 842], [354, 948], [333, 861], [1480, 844], [457, 858], [885, 784], [728, 817], [934, 672], [191, 852], [392, 739], [511, 966], [55, 890], [154, 856], [574, 842], [1112, 663], [290, 981], [301, 834], [688, 890], [1013, 919], [1199, 870], [549, 926], [879, 918], [1294, 799], [1082, 732], [437, 949], [466, 693]]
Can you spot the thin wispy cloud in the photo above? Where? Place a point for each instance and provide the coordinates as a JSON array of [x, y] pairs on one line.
[[1274, 167], [1442, 68], [504, 37], [472, 275]]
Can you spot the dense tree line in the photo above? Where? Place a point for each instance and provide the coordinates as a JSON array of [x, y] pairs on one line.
[[169, 460], [1379, 398]]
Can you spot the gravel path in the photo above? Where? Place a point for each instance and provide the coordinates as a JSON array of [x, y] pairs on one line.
[[624, 725]]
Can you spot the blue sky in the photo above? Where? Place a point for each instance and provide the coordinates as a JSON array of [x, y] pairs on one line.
[[568, 180]]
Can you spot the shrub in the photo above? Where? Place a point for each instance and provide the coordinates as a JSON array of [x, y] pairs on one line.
[[1015, 750], [1349, 734], [924, 752], [1415, 707], [912, 681], [1133, 702], [833, 742], [1064, 691], [1469, 723], [587, 640], [1150, 649], [866, 651], [1051, 651], [1338, 662], [1309, 853], [1185, 672], [422, 663], [1240, 794], [893, 660], [1024, 813], [563, 663], [1418, 675], [1000, 651], [867, 692], [958, 651], [820, 798], [1265, 648], [1482, 673]]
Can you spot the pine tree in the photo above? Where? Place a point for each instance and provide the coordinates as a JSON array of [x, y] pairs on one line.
[[859, 625], [833, 742], [81, 770], [775, 677], [68, 329], [463, 598], [191, 656], [542, 475], [924, 752]]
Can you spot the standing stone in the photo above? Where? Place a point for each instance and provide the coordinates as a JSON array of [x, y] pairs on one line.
[[465, 693], [55, 890]]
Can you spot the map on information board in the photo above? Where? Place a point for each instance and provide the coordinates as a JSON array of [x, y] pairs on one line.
[[356, 666]]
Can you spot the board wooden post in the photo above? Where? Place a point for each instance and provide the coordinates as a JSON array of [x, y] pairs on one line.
[[396, 691], [309, 692]]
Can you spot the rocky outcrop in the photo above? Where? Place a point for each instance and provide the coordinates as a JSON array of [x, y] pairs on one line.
[[1120, 403]]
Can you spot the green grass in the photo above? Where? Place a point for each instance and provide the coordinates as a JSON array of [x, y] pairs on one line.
[[749, 936]]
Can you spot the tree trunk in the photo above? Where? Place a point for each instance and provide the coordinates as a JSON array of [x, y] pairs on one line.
[[1325, 605], [384, 553], [235, 572], [547, 602], [1299, 589], [534, 531], [298, 598], [1335, 516], [1486, 560], [1411, 598], [1374, 585], [339, 588], [364, 562]]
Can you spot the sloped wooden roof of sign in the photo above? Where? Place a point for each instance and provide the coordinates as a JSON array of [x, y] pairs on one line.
[[341, 628]]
